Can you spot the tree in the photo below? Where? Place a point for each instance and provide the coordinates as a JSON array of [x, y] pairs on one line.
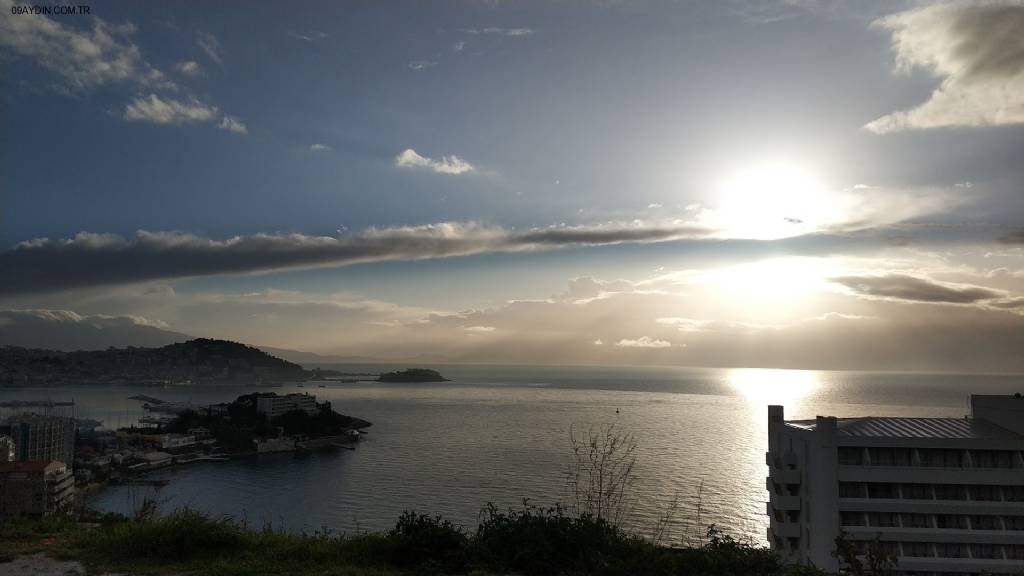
[[876, 560], [601, 473]]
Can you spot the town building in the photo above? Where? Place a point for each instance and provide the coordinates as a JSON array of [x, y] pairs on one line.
[[38, 437], [38, 488], [177, 441], [6, 448], [942, 495], [273, 405]]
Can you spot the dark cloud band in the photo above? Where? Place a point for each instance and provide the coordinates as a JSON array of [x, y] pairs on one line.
[[910, 288], [45, 265]]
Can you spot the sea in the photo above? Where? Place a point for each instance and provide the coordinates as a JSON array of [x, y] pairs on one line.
[[502, 435]]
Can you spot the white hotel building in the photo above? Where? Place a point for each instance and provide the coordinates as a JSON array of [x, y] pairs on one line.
[[273, 405], [945, 495]]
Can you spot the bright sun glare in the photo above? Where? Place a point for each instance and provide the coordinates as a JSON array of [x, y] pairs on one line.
[[764, 386], [776, 280], [774, 200]]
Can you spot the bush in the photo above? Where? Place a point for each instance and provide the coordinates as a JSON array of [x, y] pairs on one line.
[[427, 544], [182, 536], [548, 541], [530, 541]]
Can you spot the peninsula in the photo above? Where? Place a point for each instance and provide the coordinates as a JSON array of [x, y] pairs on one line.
[[199, 361]]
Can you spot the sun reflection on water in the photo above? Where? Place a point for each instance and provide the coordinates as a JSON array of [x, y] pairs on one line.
[[764, 386]]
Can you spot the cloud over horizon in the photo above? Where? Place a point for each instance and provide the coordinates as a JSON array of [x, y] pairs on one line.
[[978, 52], [90, 259], [913, 289], [68, 330]]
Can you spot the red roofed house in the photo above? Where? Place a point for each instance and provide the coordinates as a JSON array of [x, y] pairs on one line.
[[36, 488]]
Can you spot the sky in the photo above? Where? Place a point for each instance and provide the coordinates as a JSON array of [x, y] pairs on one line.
[[791, 184]]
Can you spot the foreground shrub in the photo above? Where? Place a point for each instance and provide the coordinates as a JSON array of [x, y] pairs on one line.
[[427, 544], [180, 537], [538, 541], [530, 541], [724, 555]]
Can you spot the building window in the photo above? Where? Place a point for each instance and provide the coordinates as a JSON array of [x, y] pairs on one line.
[[852, 519], [992, 458], [883, 519], [986, 523], [1013, 493], [1015, 552], [890, 456], [986, 493], [947, 550], [917, 549], [917, 491], [941, 458], [882, 490], [951, 522], [916, 521], [851, 456], [950, 492], [988, 551], [1014, 522], [851, 490]]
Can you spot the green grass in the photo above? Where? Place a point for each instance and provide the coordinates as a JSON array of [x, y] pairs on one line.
[[529, 541], [25, 536]]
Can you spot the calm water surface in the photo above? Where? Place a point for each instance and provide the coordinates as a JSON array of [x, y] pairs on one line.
[[501, 434]]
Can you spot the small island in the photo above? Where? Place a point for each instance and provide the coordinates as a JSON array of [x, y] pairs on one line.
[[412, 375]]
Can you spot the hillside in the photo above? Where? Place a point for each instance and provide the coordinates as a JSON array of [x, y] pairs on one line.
[[197, 361]]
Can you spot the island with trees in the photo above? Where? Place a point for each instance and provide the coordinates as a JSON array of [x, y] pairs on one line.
[[413, 375]]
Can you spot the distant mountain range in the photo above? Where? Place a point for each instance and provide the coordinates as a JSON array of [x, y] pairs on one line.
[[66, 331], [196, 361]]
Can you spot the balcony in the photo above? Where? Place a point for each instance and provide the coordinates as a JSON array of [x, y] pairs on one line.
[[784, 476], [785, 529], [925, 475], [782, 502]]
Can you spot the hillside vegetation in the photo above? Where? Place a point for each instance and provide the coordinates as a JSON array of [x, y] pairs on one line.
[[530, 541], [201, 360]]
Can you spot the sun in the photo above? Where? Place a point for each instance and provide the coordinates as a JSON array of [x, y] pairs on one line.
[[773, 200], [768, 386]]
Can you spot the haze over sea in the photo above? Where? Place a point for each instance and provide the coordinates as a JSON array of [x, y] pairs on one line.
[[501, 434]]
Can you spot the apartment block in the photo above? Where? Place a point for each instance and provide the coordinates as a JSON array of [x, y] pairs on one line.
[[943, 495], [35, 488]]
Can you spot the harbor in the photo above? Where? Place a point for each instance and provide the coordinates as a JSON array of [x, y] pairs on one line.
[[168, 434]]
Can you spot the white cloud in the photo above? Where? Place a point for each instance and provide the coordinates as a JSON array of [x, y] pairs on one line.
[[189, 68], [422, 64], [168, 111], [312, 36], [454, 165], [459, 46], [232, 124], [684, 324], [83, 58], [163, 110], [643, 342], [495, 31], [319, 148], [479, 329], [211, 46], [978, 51]]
